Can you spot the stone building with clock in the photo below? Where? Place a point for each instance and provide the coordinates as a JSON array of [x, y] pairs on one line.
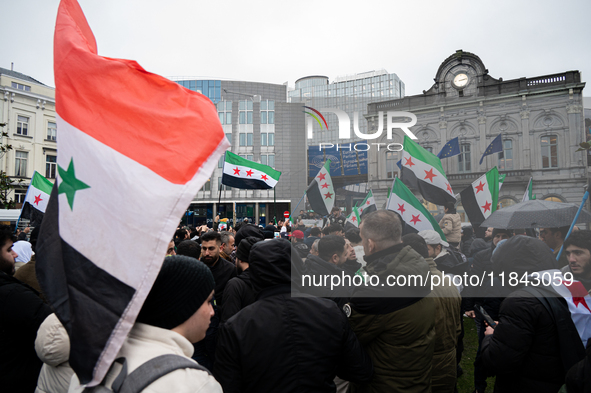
[[541, 120]]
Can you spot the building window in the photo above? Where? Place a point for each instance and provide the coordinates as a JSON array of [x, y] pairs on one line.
[[245, 112], [429, 149], [20, 167], [391, 167], [20, 86], [206, 186], [464, 158], [267, 139], [245, 139], [267, 112], [22, 125], [268, 159], [225, 112], [506, 202], [50, 166], [506, 156], [19, 196], [246, 156], [51, 131], [229, 136], [550, 151]]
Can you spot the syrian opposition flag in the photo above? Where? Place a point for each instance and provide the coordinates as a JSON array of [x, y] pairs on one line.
[[480, 198], [501, 181], [36, 199], [412, 211], [320, 192], [528, 195], [422, 171], [353, 219], [125, 180], [242, 173], [368, 205]]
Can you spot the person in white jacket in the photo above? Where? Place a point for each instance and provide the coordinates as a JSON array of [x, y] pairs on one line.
[[175, 315], [53, 348]]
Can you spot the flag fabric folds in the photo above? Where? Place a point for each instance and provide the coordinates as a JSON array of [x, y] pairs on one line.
[[422, 170], [368, 205], [528, 195], [125, 179], [480, 198], [496, 146], [450, 149], [320, 192], [36, 199], [353, 219], [501, 181], [242, 173], [412, 211]]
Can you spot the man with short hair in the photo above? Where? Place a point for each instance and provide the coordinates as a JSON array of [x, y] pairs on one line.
[[336, 217], [577, 248], [395, 323], [297, 239], [554, 237], [227, 246], [222, 270], [21, 313], [336, 229], [315, 234], [332, 254]]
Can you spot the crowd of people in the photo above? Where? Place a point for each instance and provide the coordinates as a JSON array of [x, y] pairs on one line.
[[235, 301]]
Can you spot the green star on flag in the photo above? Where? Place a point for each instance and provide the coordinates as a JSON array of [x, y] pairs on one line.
[[69, 184]]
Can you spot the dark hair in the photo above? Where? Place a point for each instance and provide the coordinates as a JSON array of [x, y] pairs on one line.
[[382, 226], [325, 231], [451, 207], [580, 239], [417, 243], [335, 209], [238, 226], [335, 228], [180, 234], [211, 235], [6, 233], [330, 245], [315, 232], [189, 248], [353, 235], [563, 230]]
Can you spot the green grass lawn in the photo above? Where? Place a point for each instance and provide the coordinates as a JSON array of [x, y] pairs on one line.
[[466, 381]]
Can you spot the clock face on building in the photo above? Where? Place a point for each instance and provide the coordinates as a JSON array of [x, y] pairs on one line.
[[460, 80]]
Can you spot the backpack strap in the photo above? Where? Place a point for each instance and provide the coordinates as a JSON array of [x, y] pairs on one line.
[[150, 371], [571, 346]]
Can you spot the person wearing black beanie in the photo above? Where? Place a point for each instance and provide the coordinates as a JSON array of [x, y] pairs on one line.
[[175, 314]]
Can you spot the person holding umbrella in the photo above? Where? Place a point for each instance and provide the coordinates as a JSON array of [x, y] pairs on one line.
[[554, 238]]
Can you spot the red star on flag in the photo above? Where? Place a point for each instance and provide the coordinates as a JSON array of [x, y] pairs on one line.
[[353, 218], [264, 177], [486, 206], [321, 176], [249, 172], [579, 292], [325, 185], [409, 162], [236, 171], [430, 175], [368, 201], [38, 199], [401, 208], [480, 187], [328, 195], [415, 219], [449, 188]]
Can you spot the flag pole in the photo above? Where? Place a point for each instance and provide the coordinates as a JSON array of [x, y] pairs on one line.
[[296, 208], [585, 197], [275, 206]]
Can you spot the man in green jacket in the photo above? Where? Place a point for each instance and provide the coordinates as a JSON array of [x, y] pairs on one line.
[[395, 321]]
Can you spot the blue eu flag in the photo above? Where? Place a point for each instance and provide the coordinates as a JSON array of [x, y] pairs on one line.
[[451, 148], [496, 146]]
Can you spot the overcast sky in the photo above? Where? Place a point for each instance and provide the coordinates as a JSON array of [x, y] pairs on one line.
[[277, 42]]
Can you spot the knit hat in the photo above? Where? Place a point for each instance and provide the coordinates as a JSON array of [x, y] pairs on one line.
[[269, 231], [181, 288], [496, 231], [248, 231], [243, 251]]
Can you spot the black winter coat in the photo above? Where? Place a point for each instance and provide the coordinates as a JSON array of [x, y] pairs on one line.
[[283, 343], [21, 313], [524, 351], [237, 295], [317, 268]]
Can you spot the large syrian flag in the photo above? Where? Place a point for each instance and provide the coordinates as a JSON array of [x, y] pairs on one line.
[[480, 198], [412, 211], [368, 205], [528, 195], [126, 178], [353, 219], [320, 192], [422, 171], [242, 173], [36, 199]]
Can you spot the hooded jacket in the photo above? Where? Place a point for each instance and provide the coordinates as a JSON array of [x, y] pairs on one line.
[[395, 324], [524, 351], [237, 295], [53, 348], [286, 341], [451, 225]]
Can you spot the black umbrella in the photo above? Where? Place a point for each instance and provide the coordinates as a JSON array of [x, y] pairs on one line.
[[536, 214]]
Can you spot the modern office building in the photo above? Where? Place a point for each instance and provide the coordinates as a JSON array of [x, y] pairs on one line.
[[27, 107], [541, 120], [263, 127]]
